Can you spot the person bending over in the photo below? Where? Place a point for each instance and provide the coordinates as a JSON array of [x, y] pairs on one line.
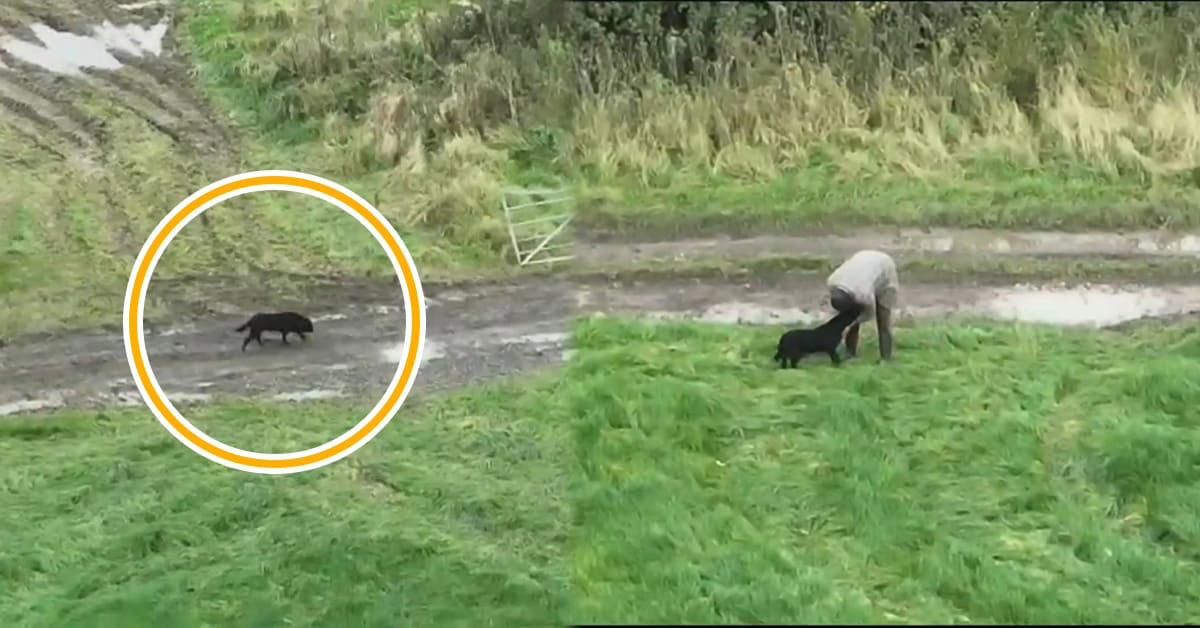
[[867, 280]]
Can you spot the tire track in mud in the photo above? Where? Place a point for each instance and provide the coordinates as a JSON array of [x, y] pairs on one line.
[[476, 334], [33, 112], [25, 120], [150, 83]]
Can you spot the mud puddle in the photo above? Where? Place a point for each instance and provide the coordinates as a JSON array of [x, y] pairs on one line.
[[1092, 306], [66, 53], [308, 395]]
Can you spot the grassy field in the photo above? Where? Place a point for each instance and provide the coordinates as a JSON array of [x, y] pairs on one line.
[[456, 515], [991, 474]]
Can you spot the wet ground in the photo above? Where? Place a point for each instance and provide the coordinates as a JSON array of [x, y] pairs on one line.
[[479, 333], [949, 242]]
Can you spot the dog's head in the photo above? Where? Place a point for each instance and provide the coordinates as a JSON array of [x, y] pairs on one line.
[[307, 326]]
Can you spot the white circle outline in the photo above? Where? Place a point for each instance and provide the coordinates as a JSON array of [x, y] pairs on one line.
[[408, 305]]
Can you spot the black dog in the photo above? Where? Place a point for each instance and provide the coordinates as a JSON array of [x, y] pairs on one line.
[[283, 322], [797, 343]]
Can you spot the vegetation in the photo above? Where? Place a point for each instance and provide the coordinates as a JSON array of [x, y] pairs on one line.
[[998, 474], [666, 118], [676, 117], [454, 516]]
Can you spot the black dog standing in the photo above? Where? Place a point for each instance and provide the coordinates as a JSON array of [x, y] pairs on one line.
[[797, 343], [282, 322]]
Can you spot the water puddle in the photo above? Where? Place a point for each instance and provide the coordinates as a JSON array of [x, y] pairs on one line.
[[186, 397], [30, 405], [386, 310], [433, 350], [134, 6], [1096, 307], [308, 395], [175, 331], [541, 339], [1093, 306], [69, 53]]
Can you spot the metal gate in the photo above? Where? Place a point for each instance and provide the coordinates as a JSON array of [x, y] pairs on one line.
[[537, 223]]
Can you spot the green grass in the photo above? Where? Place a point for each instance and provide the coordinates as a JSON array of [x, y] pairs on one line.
[[991, 474], [801, 201], [70, 234], [455, 515]]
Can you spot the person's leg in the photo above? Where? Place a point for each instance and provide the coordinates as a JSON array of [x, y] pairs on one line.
[[841, 300], [883, 322]]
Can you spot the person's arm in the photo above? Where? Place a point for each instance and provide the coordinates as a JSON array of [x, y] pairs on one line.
[[883, 322]]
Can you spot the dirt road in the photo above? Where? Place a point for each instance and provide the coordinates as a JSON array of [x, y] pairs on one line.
[[479, 333], [970, 243]]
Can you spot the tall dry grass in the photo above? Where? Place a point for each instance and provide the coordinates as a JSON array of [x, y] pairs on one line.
[[457, 98]]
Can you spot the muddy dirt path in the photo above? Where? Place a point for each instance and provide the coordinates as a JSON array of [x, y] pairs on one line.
[[973, 243], [480, 333]]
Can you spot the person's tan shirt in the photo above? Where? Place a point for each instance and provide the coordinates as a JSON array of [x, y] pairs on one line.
[[870, 277]]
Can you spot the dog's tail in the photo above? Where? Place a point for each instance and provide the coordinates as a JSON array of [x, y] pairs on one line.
[[243, 327]]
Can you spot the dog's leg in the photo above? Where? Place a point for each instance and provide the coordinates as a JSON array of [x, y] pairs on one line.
[[833, 355], [284, 337], [795, 362], [302, 336], [247, 341], [258, 336]]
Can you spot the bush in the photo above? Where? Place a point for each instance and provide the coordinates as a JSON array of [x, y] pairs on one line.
[[639, 92]]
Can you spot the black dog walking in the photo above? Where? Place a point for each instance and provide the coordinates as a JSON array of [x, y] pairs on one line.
[[282, 322], [797, 343]]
